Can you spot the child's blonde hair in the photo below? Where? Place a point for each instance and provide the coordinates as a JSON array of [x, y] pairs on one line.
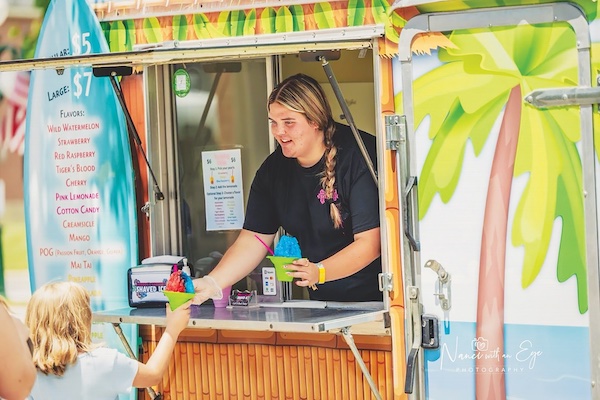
[[59, 317]]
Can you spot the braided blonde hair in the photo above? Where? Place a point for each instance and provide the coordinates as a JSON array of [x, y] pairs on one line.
[[303, 94]]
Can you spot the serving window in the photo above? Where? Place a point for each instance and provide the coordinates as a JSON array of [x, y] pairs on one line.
[[224, 115]]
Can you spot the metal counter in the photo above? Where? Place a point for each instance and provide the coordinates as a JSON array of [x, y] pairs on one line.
[[280, 319]]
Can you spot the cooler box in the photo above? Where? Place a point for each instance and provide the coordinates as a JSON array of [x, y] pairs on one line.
[[146, 282], [146, 285]]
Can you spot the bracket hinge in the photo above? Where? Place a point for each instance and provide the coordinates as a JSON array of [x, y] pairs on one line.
[[385, 282], [395, 131]]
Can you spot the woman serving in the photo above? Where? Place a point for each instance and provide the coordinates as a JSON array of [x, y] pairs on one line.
[[316, 186]]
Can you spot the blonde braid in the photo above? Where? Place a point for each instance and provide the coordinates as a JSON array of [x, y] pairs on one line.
[[328, 178]]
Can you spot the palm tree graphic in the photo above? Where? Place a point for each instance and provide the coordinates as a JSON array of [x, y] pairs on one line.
[[487, 72]]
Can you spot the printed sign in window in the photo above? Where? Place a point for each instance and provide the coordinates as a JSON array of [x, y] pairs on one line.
[[223, 191]]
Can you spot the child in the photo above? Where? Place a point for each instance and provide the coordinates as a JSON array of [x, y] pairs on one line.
[[18, 375], [69, 366]]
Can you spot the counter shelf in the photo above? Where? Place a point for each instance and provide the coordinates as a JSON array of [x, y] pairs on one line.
[[333, 316]]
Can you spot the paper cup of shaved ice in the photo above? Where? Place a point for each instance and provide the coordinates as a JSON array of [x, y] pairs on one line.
[[286, 251], [179, 289], [280, 272], [177, 299]]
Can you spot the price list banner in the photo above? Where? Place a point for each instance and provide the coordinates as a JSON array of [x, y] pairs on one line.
[[223, 191], [79, 203]]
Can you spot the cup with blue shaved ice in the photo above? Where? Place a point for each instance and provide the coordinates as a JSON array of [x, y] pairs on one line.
[[286, 251]]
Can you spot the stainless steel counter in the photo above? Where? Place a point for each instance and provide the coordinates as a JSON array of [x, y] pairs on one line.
[[280, 319]]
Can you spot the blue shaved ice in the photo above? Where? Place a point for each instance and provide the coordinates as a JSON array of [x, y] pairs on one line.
[[288, 247]]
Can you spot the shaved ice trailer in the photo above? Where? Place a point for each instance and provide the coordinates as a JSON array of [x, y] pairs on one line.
[[485, 117]]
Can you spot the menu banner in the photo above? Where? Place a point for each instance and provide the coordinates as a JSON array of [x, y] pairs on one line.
[[79, 195]]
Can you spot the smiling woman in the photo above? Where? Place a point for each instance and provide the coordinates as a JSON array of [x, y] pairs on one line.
[[316, 186], [298, 137]]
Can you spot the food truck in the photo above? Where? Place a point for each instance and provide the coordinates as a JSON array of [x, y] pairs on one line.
[[484, 115]]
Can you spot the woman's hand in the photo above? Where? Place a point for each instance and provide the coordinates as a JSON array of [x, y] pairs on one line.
[[206, 288], [306, 272]]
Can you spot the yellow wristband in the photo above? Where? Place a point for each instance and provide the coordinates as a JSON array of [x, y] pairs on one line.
[[321, 272]]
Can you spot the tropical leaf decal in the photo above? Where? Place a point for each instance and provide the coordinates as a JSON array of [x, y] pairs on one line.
[[237, 21], [546, 156], [558, 190], [379, 10], [451, 137], [203, 28], [394, 23], [199, 24], [224, 23], [180, 26], [356, 12], [106, 30], [116, 37], [152, 30], [130, 31], [284, 21], [324, 16], [250, 23], [297, 17], [572, 246], [595, 53], [267, 20]]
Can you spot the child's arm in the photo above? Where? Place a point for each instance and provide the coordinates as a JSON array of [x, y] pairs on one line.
[[17, 372], [151, 373]]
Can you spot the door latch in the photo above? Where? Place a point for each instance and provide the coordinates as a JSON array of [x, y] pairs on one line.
[[431, 332], [443, 290]]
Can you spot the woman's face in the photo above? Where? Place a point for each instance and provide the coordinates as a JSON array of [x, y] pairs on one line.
[[298, 137]]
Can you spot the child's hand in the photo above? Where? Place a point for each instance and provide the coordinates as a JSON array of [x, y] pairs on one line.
[[178, 319]]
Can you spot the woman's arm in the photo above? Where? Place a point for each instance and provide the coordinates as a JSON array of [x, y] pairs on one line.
[[151, 373], [241, 258], [17, 372], [245, 254], [365, 248]]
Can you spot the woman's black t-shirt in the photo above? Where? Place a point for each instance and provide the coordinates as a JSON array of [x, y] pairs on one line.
[[284, 194]]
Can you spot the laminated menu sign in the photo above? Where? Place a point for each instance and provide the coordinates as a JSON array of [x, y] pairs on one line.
[[223, 191], [79, 196]]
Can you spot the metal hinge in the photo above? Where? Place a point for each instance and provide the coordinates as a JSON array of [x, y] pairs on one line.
[[395, 131], [385, 282], [443, 289], [146, 209]]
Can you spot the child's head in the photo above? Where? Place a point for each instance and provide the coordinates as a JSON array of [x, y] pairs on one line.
[[59, 318]]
